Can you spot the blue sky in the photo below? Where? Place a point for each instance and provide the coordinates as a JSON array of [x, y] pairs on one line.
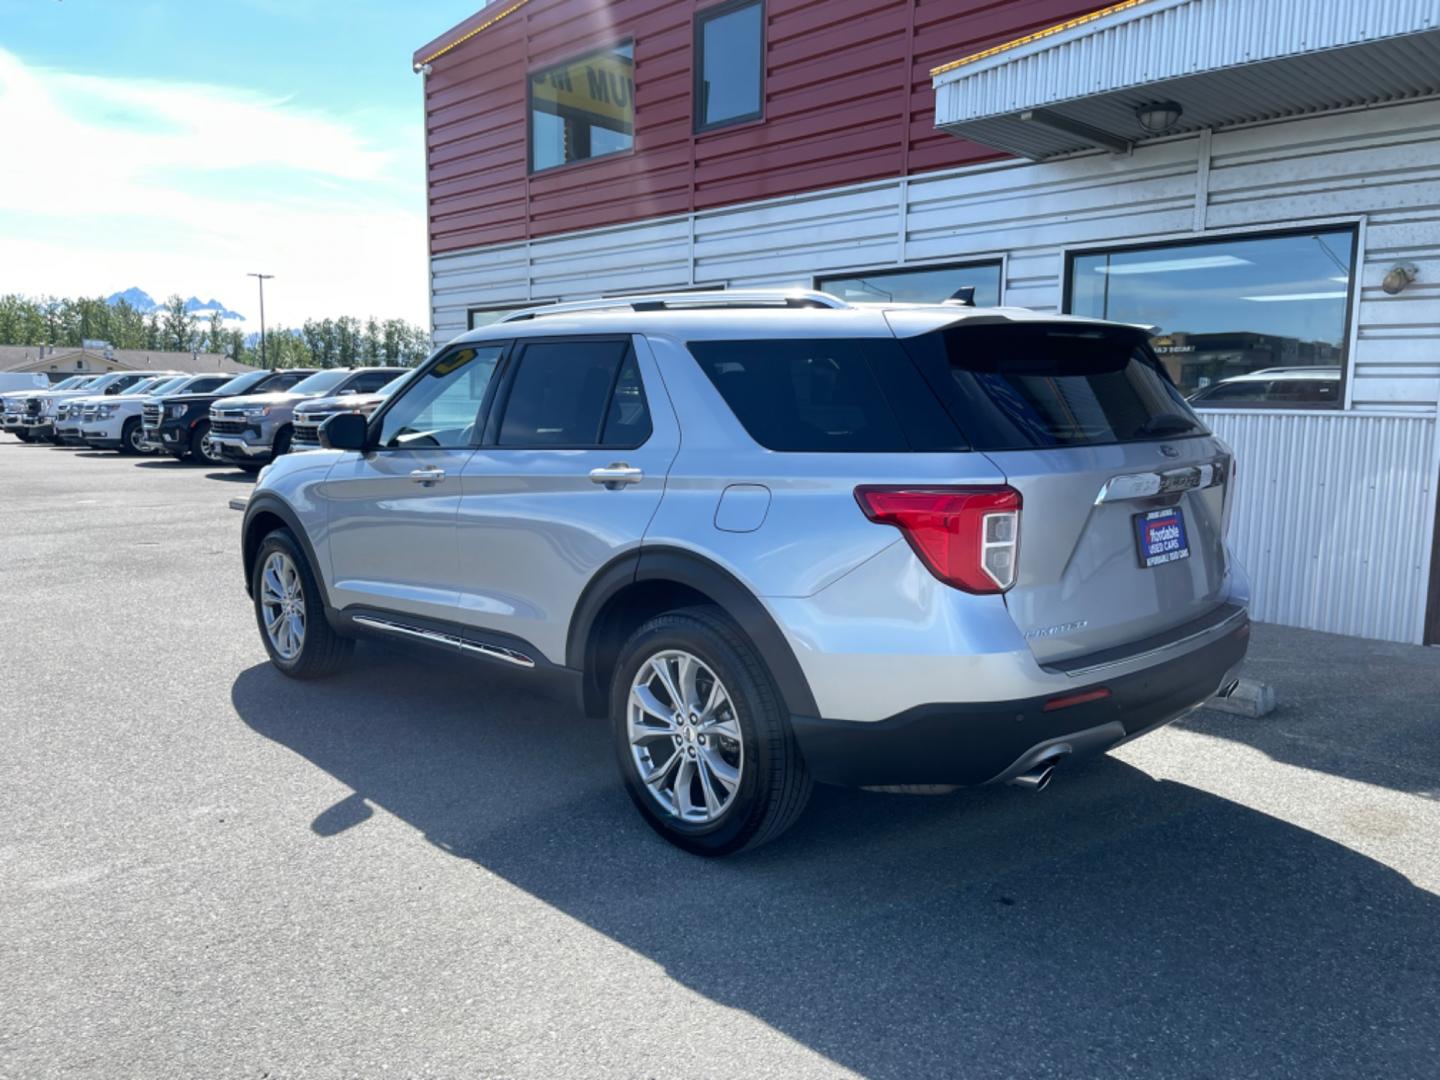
[[177, 145]]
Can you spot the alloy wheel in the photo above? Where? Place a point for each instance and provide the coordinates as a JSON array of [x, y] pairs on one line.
[[684, 737], [282, 605]]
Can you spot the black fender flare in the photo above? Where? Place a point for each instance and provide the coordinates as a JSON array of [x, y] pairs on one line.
[[699, 573], [267, 503]]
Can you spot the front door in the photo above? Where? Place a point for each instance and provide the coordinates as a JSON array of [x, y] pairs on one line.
[[392, 544], [576, 452]]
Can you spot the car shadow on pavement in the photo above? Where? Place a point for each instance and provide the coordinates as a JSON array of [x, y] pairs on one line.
[[1115, 924], [1352, 707]]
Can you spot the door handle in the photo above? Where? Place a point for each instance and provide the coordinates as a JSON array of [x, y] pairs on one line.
[[428, 477], [616, 476]]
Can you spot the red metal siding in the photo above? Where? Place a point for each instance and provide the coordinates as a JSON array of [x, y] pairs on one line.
[[847, 99]]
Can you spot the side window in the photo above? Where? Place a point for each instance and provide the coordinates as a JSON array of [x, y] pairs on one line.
[[565, 395], [437, 408], [284, 382], [627, 423], [367, 382]]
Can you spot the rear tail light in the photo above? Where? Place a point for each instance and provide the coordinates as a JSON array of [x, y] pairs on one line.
[[967, 537]]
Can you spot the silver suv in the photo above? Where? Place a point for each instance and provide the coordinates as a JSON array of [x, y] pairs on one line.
[[778, 538]]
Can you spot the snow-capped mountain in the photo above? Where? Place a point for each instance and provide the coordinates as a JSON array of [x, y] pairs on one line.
[[143, 302]]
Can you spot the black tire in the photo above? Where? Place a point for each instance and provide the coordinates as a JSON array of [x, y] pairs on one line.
[[197, 444], [281, 443], [131, 437], [23, 436], [774, 781], [322, 651]]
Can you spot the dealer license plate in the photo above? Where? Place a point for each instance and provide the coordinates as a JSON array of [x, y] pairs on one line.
[[1160, 537]]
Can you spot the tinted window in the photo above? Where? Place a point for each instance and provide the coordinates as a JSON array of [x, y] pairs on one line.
[[627, 423], [320, 383], [923, 285], [561, 394], [241, 384], [284, 380], [1228, 307], [438, 407], [367, 382], [583, 109], [730, 48], [833, 394], [1017, 386]]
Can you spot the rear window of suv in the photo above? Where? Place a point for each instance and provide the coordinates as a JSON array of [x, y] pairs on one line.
[[1013, 386], [851, 395]]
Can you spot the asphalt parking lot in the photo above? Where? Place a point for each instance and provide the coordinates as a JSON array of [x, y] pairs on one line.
[[417, 869]]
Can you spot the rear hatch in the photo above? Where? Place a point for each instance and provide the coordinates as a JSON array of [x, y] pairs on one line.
[[1123, 489]]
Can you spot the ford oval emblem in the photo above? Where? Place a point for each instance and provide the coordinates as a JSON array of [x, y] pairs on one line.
[[1169, 451]]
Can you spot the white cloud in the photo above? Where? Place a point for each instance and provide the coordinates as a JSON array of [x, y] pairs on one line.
[[182, 187]]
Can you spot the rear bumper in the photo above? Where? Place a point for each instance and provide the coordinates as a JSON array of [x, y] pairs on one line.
[[978, 743]]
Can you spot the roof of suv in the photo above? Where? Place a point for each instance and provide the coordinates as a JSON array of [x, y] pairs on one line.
[[750, 313]]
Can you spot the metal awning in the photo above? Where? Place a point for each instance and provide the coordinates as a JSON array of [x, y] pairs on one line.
[[1078, 85]]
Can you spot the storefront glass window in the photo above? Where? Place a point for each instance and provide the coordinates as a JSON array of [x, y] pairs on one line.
[[1246, 321], [584, 108], [925, 285]]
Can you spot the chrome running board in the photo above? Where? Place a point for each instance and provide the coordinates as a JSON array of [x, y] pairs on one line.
[[436, 637]]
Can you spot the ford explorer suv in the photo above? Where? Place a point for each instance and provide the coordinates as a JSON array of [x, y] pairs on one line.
[[777, 538], [17, 407], [313, 412], [116, 423], [182, 425], [255, 428], [46, 423]]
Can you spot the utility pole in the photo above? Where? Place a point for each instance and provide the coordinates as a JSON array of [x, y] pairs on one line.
[[263, 278]]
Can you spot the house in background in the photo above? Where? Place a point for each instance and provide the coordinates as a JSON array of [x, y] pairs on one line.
[[60, 362], [1257, 179]]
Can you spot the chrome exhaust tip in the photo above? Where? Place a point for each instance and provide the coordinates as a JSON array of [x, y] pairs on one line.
[[1038, 778]]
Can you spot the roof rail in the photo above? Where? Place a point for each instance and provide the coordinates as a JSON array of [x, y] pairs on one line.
[[732, 298]]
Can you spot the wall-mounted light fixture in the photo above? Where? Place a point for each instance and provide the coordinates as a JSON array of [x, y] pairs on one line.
[[423, 69], [1400, 275], [1158, 116]]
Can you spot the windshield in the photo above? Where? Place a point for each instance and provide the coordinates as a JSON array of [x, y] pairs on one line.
[[74, 382], [1014, 386], [141, 387], [241, 383], [321, 382], [164, 386]]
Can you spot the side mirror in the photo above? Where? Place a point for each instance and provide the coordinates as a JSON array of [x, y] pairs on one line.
[[344, 431], [112, 389]]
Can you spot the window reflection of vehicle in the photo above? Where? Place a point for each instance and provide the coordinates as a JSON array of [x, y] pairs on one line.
[[1298, 386]]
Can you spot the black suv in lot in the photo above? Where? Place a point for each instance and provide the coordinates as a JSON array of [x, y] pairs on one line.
[[180, 424]]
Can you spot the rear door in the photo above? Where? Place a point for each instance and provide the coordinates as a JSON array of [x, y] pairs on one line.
[[1123, 489], [571, 472]]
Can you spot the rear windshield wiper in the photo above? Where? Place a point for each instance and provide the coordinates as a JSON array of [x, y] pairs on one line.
[[1167, 424]]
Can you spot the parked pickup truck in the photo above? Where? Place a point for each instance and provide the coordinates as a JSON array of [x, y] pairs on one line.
[[180, 423], [312, 412], [16, 405], [252, 430], [115, 423]]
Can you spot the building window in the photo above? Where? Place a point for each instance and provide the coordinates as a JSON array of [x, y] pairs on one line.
[[729, 64], [1244, 321], [583, 108], [922, 284], [493, 313]]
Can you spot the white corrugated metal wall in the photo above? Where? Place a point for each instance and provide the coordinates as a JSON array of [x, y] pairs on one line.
[[1378, 166], [1321, 521]]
